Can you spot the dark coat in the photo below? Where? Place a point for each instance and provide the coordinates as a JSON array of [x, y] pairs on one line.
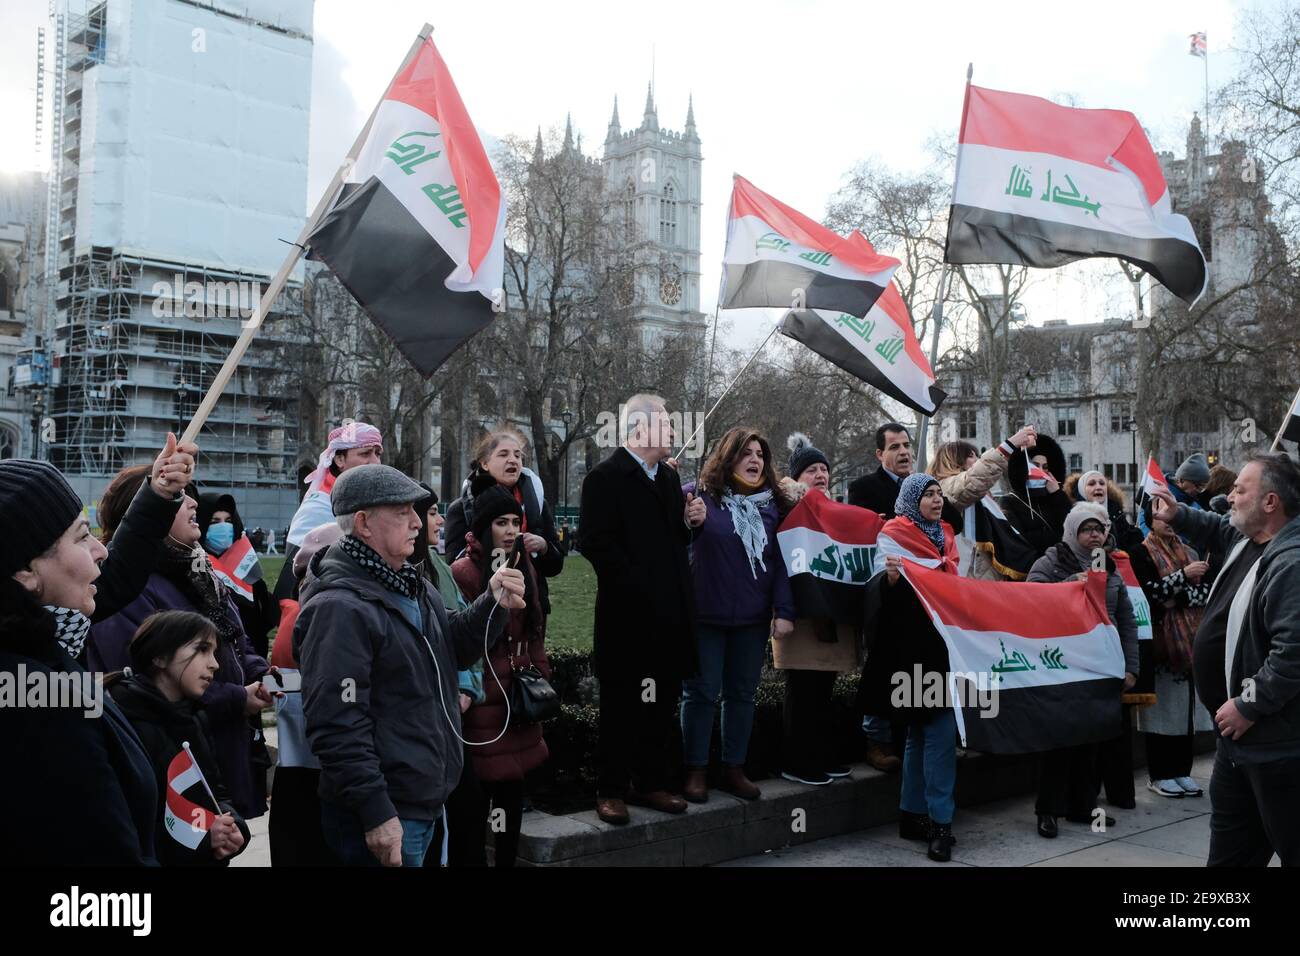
[[134, 551], [79, 790], [163, 727], [1060, 564], [876, 491], [522, 748], [224, 701], [634, 533], [381, 697], [1043, 526], [537, 513], [261, 613]]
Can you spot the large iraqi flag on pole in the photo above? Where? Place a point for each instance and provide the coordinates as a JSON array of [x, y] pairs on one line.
[[829, 550], [417, 231], [1045, 659], [1039, 184], [880, 348], [776, 257]]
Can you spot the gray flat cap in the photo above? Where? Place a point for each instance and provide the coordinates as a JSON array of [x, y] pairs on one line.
[[368, 485]]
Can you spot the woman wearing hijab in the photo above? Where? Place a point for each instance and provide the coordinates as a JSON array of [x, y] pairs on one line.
[[1095, 487], [220, 527], [1175, 581], [902, 639], [742, 595], [1068, 782]]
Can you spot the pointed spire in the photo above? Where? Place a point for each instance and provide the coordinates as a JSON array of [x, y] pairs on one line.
[[690, 132], [568, 132], [651, 118], [615, 129], [538, 154]]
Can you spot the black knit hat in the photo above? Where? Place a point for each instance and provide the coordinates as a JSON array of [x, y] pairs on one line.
[[803, 454], [37, 505], [490, 504]]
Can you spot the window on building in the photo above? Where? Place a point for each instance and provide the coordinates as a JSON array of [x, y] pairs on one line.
[[1109, 471], [1076, 463], [629, 211], [1067, 423], [1121, 413], [668, 217], [966, 423]]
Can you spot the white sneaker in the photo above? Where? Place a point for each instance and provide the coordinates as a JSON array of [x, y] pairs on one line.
[[1166, 788], [1189, 786]]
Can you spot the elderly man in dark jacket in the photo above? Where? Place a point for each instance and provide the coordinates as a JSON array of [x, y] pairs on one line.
[[379, 656], [636, 525], [1246, 661]]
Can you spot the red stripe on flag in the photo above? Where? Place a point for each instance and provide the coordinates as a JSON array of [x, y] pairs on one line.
[[1025, 123], [748, 200], [847, 524], [977, 605], [1125, 568], [426, 84]]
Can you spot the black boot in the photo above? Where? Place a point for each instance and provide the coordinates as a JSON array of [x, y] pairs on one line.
[[913, 826], [941, 842], [1046, 825]]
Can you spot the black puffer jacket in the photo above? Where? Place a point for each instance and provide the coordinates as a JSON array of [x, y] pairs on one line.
[[163, 726], [382, 718], [1043, 526]]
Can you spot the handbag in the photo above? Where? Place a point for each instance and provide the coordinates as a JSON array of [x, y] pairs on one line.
[[532, 698]]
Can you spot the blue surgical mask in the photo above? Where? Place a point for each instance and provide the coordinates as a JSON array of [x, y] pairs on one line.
[[220, 537]]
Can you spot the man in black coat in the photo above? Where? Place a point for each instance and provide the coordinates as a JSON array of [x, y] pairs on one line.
[[636, 526]]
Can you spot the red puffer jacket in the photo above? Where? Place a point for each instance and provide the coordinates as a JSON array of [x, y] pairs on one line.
[[521, 748]]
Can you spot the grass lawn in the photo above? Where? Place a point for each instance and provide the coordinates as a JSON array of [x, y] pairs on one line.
[[573, 600]]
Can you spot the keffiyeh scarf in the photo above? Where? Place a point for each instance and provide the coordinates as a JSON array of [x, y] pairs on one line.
[[747, 519], [71, 628]]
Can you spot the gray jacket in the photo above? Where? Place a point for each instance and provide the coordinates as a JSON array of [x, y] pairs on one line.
[[382, 719], [1268, 649], [1059, 563]]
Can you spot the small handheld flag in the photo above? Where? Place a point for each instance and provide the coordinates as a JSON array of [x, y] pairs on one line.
[[187, 822]]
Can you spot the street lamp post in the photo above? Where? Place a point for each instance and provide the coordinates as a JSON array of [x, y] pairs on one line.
[[568, 419], [1132, 427]]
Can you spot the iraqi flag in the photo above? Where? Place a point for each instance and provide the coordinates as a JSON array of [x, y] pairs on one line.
[[1138, 598], [186, 821], [238, 567], [776, 257], [1291, 430], [1041, 185], [1026, 682], [829, 551], [994, 534], [1152, 479], [880, 348], [417, 231]]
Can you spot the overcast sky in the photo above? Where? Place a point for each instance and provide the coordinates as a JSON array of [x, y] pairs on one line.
[[789, 93]]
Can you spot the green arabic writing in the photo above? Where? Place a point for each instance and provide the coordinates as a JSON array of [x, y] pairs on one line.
[[409, 155]]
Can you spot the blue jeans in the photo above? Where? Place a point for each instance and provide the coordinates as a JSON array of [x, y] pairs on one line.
[[930, 768], [347, 839], [879, 729], [731, 659]]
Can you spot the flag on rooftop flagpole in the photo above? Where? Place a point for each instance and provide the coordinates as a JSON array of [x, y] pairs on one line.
[[1198, 47], [1039, 184], [880, 348], [776, 257], [417, 231]]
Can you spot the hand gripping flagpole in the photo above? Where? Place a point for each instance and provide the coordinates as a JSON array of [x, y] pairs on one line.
[[254, 322], [937, 312]]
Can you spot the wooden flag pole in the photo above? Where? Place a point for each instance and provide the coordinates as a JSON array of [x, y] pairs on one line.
[[924, 428], [1286, 417], [264, 304]]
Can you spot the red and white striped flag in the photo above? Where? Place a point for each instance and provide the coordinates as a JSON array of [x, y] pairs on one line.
[[238, 567], [1042, 185], [186, 821], [1057, 675], [1198, 47], [1153, 478]]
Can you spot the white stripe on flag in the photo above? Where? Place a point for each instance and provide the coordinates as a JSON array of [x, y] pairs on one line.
[[808, 551], [751, 239]]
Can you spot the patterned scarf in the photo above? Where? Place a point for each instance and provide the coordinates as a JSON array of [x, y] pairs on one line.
[[190, 571], [1178, 628], [71, 628], [406, 582], [747, 519], [908, 506]]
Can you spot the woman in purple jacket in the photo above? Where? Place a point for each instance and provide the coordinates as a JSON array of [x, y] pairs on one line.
[[740, 587], [183, 580]]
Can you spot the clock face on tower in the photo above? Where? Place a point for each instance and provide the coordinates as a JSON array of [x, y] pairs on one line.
[[670, 284]]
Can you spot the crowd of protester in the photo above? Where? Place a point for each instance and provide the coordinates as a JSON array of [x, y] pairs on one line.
[[410, 683]]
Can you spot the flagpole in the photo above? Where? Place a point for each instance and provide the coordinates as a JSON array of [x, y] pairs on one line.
[[937, 312], [223, 376], [211, 796], [1286, 417], [700, 426]]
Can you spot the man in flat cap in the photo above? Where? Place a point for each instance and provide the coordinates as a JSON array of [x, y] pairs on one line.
[[379, 656]]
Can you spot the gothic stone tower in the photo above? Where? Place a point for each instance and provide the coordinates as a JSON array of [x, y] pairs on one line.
[[657, 174]]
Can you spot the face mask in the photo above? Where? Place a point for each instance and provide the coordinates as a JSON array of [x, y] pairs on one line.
[[220, 537]]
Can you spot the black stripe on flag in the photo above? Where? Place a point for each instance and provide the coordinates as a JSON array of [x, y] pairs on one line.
[[817, 597], [977, 235], [397, 274], [813, 331], [1034, 719], [765, 284]]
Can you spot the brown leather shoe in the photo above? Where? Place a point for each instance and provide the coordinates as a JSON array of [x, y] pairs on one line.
[[737, 784], [696, 788], [612, 810], [881, 756], [660, 800]]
